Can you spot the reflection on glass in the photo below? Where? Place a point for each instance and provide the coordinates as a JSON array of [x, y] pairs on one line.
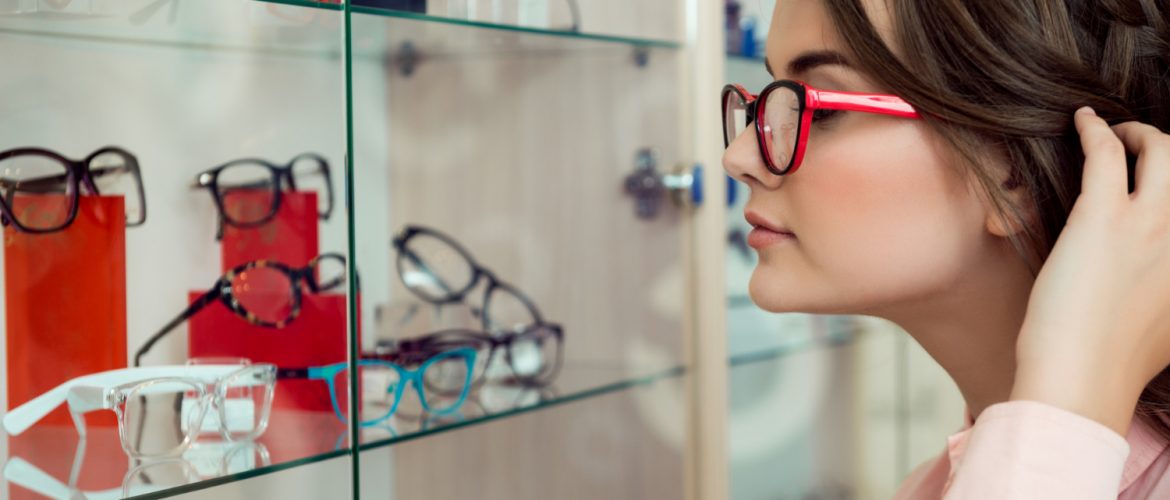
[[200, 462]]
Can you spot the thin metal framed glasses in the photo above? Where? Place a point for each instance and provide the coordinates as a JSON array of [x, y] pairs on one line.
[[784, 112], [439, 270], [263, 293], [40, 188], [247, 192]]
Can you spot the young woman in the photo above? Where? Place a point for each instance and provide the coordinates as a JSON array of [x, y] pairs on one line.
[[994, 177]]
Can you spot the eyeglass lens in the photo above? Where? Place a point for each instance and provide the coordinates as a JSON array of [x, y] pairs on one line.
[[265, 292], [329, 271], [310, 174], [247, 191], [533, 355], [38, 191], [149, 412], [114, 174], [243, 405], [734, 116], [434, 269], [781, 122]]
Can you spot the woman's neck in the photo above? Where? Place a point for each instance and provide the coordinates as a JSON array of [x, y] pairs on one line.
[[971, 328]]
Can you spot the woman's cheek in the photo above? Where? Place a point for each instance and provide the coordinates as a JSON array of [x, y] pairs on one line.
[[879, 219]]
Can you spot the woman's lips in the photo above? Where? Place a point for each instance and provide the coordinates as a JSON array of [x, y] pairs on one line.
[[760, 238]]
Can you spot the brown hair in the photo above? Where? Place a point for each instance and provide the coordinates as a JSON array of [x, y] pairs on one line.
[[999, 81]]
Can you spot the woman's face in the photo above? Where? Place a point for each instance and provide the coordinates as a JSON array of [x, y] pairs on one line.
[[879, 220]]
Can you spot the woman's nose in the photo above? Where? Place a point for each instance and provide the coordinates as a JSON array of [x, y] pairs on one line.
[[743, 162]]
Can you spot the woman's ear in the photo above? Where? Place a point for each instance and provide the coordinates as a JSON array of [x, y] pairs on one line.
[[1017, 215]]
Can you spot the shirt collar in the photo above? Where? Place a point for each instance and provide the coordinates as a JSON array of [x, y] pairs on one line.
[[1145, 446]]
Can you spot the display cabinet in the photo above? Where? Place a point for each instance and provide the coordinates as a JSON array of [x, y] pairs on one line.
[[329, 249]]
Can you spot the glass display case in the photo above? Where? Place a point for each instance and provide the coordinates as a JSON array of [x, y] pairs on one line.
[[328, 249]]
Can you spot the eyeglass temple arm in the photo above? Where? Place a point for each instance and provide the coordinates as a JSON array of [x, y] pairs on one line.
[[205, 299], [302, 372], [53, 183], [83, 399], [852, 101]]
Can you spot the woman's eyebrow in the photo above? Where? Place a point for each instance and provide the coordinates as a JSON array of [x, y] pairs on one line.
[[807, 61]]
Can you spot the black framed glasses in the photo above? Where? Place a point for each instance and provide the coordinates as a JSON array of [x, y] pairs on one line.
[[247, 192], [531, 357], [439, 270], [263, 293], [40, 188]]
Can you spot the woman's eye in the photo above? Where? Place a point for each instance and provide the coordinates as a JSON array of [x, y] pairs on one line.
[[823, 114]]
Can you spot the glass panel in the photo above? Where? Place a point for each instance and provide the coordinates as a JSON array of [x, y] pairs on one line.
[[490, 170], [215, 322]]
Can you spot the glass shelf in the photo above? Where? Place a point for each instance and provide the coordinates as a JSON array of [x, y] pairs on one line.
[[290, 28], [521, 37], [407, 38], [756, 335], [773, 353], [98, 466], [494, 402], [59, 464]]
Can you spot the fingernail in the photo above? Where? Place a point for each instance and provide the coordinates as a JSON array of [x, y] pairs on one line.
[[1087, 110]]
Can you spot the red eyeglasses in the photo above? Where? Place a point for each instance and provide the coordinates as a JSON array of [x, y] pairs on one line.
[[787, 108]]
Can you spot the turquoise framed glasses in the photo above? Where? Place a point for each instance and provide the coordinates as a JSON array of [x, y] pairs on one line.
[[383, 383]]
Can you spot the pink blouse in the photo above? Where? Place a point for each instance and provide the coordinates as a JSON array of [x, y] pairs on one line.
[[1030, 450]]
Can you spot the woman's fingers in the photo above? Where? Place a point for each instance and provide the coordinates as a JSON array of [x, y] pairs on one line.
[[1104, 175], [1152, 149]]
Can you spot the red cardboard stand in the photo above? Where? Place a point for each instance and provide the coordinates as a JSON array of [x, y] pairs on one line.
[[65, 302], [65, 316], [290, 237]]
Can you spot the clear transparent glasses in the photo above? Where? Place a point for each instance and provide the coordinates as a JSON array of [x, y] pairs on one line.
[[160, 416]]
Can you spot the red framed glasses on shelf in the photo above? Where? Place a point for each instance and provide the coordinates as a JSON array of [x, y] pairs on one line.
[[784, 112]]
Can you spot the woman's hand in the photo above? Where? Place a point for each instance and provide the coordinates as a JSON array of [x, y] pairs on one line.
[[1098, 322]]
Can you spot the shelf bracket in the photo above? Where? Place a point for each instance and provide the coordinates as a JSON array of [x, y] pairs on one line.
[[641, 56], [406, 59]]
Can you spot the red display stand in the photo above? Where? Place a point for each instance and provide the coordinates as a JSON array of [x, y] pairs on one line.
[[318, 336], [65, 299], [290, 237]]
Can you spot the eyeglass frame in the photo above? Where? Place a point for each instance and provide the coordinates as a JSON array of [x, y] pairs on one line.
[[408, 350], [222, 291], [282, 175], [810, 99], [84, 398], [479, 272], [78, 174], [328, 374]]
